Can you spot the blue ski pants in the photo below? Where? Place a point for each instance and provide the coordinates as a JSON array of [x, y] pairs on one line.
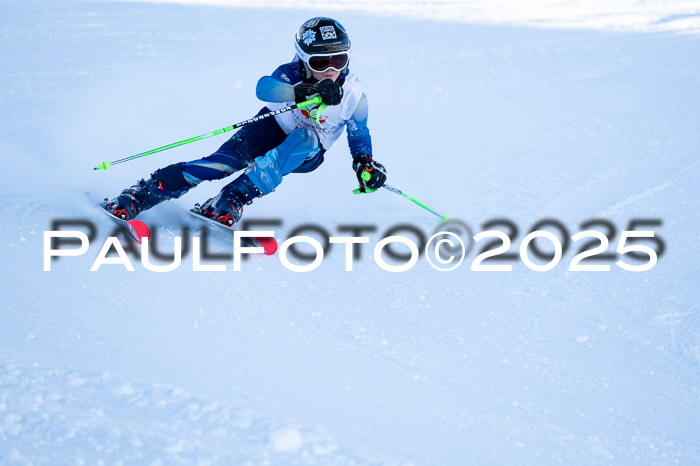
[[267, 152]]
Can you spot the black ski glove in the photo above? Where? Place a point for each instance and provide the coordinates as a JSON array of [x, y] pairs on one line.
[[369, 173], [304, 92], [330, 91]]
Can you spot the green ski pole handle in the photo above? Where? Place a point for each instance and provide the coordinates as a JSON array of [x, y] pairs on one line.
[[319, 111], [365, 176], [316, 117], [315, 100]]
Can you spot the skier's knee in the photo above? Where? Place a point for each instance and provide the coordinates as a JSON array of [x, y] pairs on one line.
[[171, 180], [301, 145], [267, 171], [304, 139]]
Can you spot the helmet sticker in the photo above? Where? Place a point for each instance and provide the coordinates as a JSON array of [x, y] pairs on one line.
[[310, 23], [339, 26], [309, 36], [327, 32]]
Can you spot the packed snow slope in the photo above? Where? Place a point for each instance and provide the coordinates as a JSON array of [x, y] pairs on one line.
[[682, 16], [331, 367]]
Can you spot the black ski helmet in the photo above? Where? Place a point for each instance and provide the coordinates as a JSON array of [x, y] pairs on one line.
[[325, 37]]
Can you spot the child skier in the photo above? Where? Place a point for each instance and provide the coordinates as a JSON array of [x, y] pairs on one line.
[[292, 142]]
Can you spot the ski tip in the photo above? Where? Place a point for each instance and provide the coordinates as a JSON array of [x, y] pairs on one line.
[[271, 247], [138, 230], [444, 218], [268, 244]]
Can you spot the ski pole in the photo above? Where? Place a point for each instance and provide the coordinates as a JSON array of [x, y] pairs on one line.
[[315, 100], [400, 193], [414, 200]]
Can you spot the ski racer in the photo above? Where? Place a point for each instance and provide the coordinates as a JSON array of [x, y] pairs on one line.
[[291, 142]]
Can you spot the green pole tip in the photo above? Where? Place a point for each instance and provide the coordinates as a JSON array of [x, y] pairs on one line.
[[104, 166], [362, 190], [443, 218], [366, 176]]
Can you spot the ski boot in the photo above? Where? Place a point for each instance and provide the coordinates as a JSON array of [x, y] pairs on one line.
[[165, 183], [132, 201], [227, 206]]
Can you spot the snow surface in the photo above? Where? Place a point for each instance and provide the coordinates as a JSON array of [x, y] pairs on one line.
[[330, 367], [621, 15]]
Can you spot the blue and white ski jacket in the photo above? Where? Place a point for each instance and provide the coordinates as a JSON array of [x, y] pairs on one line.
[[351, 113]]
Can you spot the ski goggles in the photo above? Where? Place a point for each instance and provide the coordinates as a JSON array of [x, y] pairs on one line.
[[324, 61], [321, 63]]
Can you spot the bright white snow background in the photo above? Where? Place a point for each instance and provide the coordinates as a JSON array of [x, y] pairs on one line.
[[491, 115]]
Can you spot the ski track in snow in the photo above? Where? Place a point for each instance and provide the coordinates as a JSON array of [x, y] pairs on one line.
[[267, 366], [53, 416]]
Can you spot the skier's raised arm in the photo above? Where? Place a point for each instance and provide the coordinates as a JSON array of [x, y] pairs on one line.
[[274, 89], [278, 88]]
